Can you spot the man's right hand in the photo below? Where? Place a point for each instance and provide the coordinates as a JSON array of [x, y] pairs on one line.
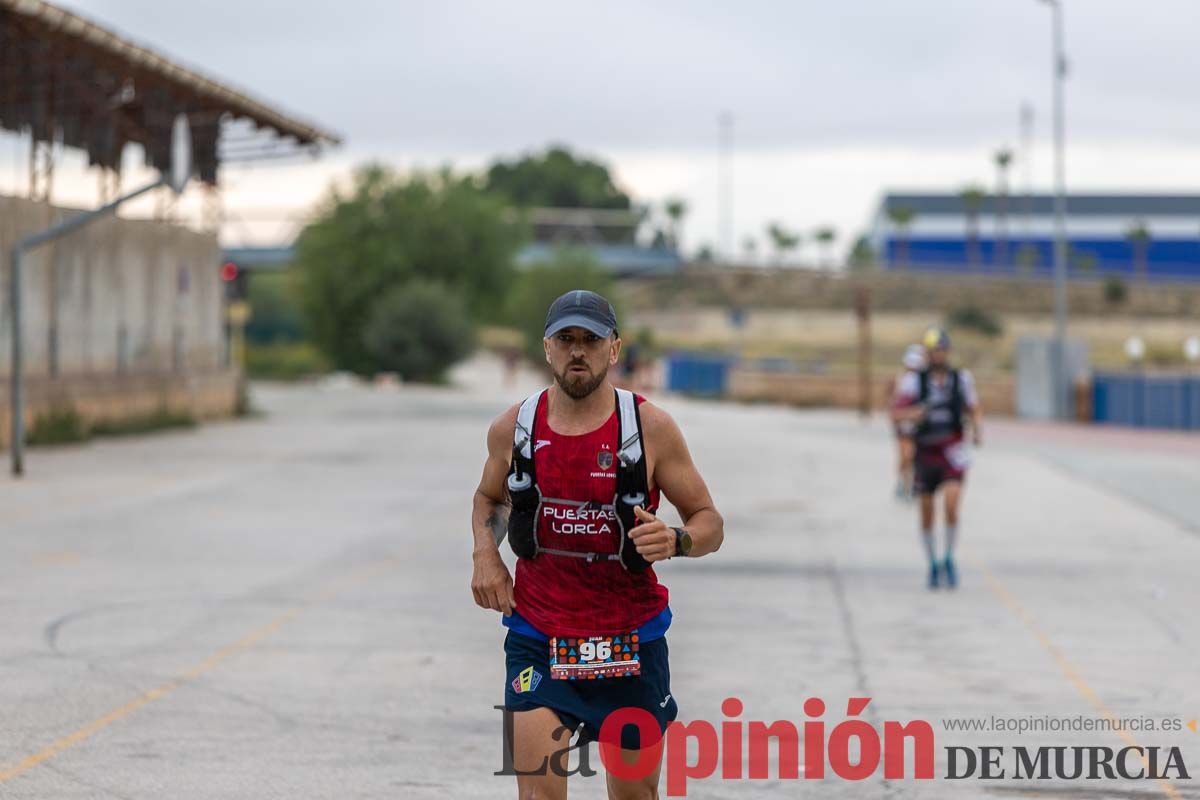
[[491, 584]]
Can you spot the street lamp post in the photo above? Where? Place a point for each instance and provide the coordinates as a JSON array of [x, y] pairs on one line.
[[1060, 215]]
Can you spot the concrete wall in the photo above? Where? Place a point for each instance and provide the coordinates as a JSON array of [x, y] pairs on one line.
[[120, 318], [996, 394], [759, 288], [130, 295]]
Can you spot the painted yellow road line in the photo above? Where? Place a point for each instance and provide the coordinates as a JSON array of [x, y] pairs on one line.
[[61, 557], [248, 641], [1067, 668]]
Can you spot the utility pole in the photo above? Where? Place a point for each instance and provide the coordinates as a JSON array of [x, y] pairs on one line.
[[725, 184], [1060, 212], [1027, 171]]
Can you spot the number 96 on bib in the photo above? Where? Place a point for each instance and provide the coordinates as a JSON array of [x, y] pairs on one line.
[[591, 657]]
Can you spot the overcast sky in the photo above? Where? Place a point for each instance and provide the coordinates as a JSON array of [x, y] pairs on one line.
[[833, 101]]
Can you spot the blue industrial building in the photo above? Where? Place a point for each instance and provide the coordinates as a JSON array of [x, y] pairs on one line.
[[1015, 234]]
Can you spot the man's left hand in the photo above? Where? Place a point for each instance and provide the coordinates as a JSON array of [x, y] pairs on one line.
[[653, 539]]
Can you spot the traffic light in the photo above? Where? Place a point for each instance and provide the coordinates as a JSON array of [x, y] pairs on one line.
[[234, 280]]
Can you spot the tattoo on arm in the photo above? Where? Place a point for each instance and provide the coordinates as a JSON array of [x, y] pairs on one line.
[[498, 522]]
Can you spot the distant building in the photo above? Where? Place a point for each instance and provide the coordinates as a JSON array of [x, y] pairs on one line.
[[1017, 235], [607, 235]]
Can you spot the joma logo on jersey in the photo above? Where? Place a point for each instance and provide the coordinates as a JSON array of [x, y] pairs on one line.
[[579, 521]]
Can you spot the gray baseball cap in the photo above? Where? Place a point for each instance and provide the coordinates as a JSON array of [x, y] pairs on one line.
[[583, 309]]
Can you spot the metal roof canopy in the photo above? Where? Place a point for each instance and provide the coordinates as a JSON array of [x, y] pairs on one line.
[[66, 79]]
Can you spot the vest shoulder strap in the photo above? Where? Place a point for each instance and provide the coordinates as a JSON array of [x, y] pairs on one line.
[[523, 430], [630, 451]]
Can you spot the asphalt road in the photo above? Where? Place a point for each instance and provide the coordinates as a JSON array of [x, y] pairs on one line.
[[279, 607]]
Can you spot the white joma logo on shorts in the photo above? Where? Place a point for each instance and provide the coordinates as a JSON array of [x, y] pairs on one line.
[[666, 700]]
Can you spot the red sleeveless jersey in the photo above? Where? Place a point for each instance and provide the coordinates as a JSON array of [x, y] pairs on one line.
[[566, 596]]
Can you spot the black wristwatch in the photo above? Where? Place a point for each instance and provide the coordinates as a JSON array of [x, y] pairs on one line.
[[683, 542]]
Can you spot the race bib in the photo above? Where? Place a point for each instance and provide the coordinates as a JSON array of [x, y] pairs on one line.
[[590, 657], [958, 455]]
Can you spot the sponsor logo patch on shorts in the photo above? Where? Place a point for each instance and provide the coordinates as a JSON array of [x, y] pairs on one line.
[[527, 680]]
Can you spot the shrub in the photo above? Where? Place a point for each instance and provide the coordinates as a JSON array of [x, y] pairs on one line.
[[1115, 290], [974, 318], [418, 330], [162, 419], [390, 230], [284, 361], [57, 426]]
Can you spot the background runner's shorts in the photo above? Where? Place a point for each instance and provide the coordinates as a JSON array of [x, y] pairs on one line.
[[932, 468], [590, 701]]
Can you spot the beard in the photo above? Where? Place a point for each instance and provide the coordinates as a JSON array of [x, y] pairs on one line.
[[578, 387]]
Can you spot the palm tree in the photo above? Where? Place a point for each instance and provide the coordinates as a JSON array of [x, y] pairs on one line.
[[1139, 239], [1003, 160], [824, 237], [1027, 259], [676, 208], [1084, 262], [783, 240], [902, 218], [862, 256], [750, 248], [972, 199]]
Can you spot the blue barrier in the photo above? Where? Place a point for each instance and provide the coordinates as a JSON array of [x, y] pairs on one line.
[[1147, 401], [701, 374]]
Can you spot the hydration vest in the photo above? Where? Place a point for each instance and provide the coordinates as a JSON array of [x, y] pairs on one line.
[[526, 497], [944, 418]]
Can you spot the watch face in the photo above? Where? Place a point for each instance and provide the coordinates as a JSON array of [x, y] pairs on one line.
[[683, 541]]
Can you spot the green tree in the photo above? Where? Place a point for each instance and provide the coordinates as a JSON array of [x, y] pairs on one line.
[[783, 240], [750, 249], [1115, 290], [676, 209], [825, 237], [902, 218], [388, 231], [1139, 239], [972, 200], [1003, 158], [538, 285], [862, 255], [1028, 258], [276, 313], [419, 330], [1084, 262], [556, 178]]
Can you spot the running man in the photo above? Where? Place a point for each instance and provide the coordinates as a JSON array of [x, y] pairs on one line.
[[912, 361], [573, 476], [939, 400]]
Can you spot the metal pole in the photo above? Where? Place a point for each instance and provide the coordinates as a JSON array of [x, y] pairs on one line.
[[1060, 215], [862, 309], [725, 183], [17, 426], [17, 407], [1027, 170]]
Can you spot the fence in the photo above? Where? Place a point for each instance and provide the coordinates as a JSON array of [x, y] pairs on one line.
[[1147, 401]]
